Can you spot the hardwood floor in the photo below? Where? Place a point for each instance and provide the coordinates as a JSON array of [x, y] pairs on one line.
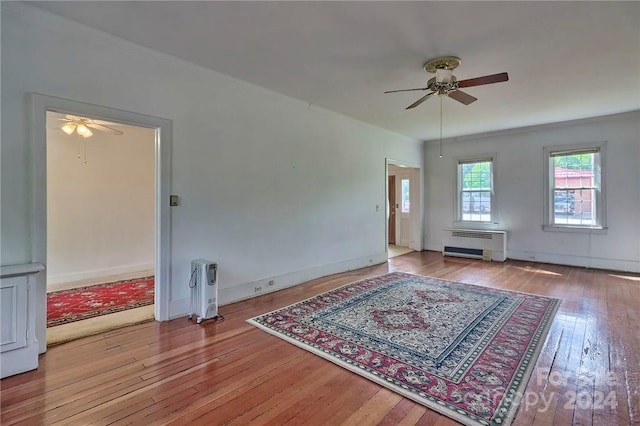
[[395, 251], [230, 372]]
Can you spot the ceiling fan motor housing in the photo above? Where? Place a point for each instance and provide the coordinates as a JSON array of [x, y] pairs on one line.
[[442, 87], [444, 81]]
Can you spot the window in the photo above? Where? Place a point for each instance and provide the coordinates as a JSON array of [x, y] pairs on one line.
[[574, 189], [405, 195], [475, 190]]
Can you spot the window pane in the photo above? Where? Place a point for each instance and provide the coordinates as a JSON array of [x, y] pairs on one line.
[[475, 183], [476, 205], [476, 175], [405, 195], [574, 188]]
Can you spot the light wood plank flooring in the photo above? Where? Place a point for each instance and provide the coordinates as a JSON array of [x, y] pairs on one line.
[[232, 373], [395, 251]]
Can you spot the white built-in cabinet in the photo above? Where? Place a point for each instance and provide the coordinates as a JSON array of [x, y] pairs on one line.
[[18, 344]]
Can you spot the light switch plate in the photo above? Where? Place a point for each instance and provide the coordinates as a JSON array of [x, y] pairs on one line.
[[173, 200]]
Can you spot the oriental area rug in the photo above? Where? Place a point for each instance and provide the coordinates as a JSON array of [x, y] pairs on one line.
[[67, 306], [463, 350]]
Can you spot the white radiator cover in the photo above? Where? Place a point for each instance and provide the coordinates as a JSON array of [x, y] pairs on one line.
[[475, 243]]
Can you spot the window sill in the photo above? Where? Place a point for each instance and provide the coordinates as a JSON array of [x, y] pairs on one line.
[[575, 229]]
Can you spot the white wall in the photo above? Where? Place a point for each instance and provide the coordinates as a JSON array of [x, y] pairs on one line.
[[519, 191], [100, 214], [269, 187]]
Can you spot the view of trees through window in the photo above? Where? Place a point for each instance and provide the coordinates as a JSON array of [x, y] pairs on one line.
[[575, 161], [476, 175], [475, 182]]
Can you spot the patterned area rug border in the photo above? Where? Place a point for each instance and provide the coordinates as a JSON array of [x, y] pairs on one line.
[[504, 410]]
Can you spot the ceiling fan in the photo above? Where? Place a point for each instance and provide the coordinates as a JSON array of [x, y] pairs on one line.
[[83, 126], [446, 84]]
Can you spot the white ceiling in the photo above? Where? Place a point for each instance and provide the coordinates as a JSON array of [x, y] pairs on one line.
[[566, 60]]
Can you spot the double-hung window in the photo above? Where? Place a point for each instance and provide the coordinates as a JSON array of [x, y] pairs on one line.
[[574, 189], [475, 196]]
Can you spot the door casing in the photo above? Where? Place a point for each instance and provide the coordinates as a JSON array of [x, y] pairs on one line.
[[39, 105], [416, 235]]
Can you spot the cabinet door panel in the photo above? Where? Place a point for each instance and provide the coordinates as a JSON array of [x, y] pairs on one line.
[[13, 311]]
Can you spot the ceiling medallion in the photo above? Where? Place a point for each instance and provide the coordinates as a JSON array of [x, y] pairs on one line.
[[445, 62]]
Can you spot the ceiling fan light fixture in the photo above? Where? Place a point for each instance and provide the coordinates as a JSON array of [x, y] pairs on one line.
[[68, 128], [84, 131], [443, 75]]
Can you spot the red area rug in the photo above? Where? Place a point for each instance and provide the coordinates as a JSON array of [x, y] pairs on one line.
[[463, 350], [87, 302]]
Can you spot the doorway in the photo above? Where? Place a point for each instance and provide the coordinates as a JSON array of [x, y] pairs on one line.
[[100, 225], [404, 208], [161, 129]]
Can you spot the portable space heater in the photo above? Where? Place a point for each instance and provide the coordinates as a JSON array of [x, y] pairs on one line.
[[204, 290]]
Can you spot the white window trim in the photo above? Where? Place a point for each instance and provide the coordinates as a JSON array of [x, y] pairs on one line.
[[601, 204], [457, 219]]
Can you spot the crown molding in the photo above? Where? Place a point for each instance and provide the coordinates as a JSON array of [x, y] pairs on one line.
[[540, 127]]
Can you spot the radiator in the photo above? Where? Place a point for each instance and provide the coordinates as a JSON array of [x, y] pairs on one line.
[[204, 290], [475, 243]]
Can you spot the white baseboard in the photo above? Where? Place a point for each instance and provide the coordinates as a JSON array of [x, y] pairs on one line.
[[181, 307], [562, 259], [431, 246], [405, 243], [52, 280], [570, 260]]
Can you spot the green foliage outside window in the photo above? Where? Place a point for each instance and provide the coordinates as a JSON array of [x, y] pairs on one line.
[[476, 175], [575, 161]]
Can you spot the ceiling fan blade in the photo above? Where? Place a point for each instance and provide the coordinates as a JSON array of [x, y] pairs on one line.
[[104, 123], [487, 79], [105, 129], [462, 97], [419, 101], [406, 90]]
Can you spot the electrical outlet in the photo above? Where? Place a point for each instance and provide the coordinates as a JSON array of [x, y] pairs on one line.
[[257, 289], [271, 282]]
